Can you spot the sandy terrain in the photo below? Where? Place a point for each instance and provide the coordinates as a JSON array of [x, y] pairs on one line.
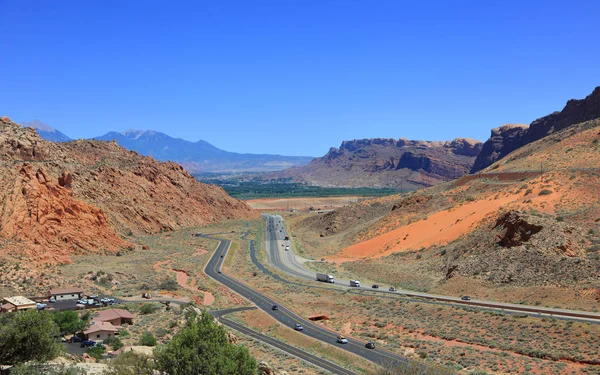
[[325, 203]]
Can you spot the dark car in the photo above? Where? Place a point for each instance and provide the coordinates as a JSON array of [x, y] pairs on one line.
[[370, 345], [221, 255], [298, 327], [88, 343], [375, 286], [465, 298], [219, 271], [275, 307], [75, 339]]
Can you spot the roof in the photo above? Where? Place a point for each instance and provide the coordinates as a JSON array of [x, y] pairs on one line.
[[66, 291], [112, 314], [100, 327], [7, 306], [19, 301]]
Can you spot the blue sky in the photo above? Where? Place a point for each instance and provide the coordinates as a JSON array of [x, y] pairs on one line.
[[294, 77]]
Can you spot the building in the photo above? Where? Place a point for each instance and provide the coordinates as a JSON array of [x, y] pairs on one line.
[[116, 317], [66, 294], [17, 303], [100, 331]]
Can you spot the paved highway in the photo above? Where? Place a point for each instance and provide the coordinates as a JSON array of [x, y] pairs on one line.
[[287, 317], [291, 264], [317, 361]]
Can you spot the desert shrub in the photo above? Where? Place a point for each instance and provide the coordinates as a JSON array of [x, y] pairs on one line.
[[560, 218], [148, 308], [410, 368], [114, 342], [528, 191], [169, 284], [46, 369], [131, 363], [545, 192], [96, 351], [147, 339]]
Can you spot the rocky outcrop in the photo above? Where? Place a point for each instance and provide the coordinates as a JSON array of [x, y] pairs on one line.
[[388, 162], [60, 199], [506, 139], [517, 229], [265, 369]]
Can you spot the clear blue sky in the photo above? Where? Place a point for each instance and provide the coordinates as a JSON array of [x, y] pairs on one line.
[[294, 77]]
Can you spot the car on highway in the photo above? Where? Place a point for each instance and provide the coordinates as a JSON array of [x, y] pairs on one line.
[[287, 248], [465, 298], [370, 345], [298, 327], [275, 307], [342, 340], [219, 271], [375, 286], [392, 288], [88, 343]]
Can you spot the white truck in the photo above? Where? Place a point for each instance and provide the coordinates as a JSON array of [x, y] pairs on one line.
[[325, 278], [355, 283]]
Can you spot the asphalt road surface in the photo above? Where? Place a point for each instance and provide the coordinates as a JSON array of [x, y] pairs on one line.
[[299, 353], [289, 263], [288, 318]]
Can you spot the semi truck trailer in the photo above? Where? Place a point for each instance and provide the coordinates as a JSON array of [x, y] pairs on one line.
[[355, 283], [325, 278]]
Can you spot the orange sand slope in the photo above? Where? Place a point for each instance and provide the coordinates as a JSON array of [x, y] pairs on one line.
[[439, 228]]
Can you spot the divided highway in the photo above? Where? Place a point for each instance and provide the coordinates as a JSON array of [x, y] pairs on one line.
[[289, 263], [289, 319]]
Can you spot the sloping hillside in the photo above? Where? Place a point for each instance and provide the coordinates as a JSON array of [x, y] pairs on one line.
[[385, 162], [512, 226], [505, 139], [61, 199]]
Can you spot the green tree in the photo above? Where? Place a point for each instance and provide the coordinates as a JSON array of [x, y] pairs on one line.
[[202, 348], [131, 363], [28, 336], [114, 342], [96, 351], [68, 321], [147, 339], [148, 308]]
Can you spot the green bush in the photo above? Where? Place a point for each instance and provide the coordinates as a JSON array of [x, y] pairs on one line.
[[114, 342], [147, 339], [169, 284], [131, 363], [148, 308], [28, 336], [203, 346], [545, 192], [42, 368], [96, 351]]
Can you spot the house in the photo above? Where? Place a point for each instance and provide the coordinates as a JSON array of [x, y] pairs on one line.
[[100, 331], [66, 294], [116, 317], [17, 303]]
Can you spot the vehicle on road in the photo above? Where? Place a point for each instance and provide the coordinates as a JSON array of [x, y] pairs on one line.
[[298, 327], [219, 271], [287, 248], [40, 306], [146, 296], [355, 283], [287, 238], [375, 286], [88, 343], [52, 300], [107, 300], [342, 340], [75, 339], [221, 255], [392, 288], [370, 345], [275, 307], [325, 278], [465, 298]]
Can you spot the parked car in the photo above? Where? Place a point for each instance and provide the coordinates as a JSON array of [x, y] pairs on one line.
[[88, 343], [392, 288], [75, 339], [93, 296], [375, 286], [465, 298], [40, 306], [107, 300], [52, 300], [275, 307], [146, 296], [298, 327], [342, 340], [370, 345]]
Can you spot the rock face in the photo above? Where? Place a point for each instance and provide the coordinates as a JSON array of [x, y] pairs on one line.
[[517, 229], [388, 162], [59, 199], [506, 139]]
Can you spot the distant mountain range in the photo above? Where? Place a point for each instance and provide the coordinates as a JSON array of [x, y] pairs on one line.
[[196, 157], [46, 131]]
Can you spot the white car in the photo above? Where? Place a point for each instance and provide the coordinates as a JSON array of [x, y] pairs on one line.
[[287, 248], [342, 340]]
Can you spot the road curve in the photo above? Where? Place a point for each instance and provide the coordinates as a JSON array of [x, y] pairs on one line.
[[287, 317], [287, 262]]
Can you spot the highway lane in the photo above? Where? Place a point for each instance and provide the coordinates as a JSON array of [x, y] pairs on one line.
[[317, 361], [289, 318], [289, 263]]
